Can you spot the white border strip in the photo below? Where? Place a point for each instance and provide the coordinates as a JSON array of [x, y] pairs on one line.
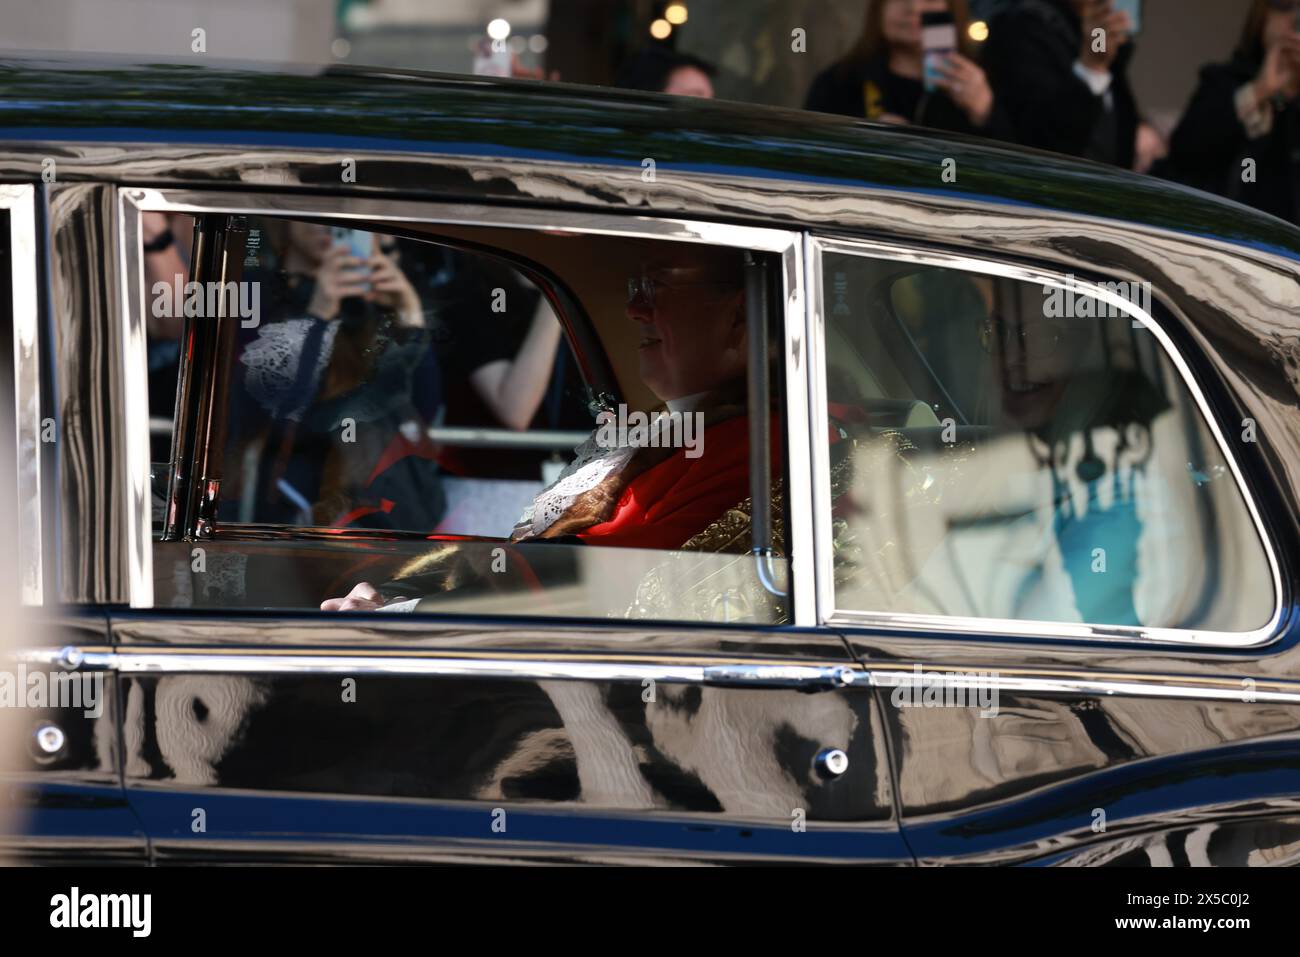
[[20, 201], [133, 365]]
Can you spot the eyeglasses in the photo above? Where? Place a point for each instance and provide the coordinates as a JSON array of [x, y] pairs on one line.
[[646, 287], [996, 333]]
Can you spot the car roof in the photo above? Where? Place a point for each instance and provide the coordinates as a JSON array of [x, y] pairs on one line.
[[63, 98]]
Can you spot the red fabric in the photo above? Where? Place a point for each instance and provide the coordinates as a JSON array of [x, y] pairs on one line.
[[678, 498], [385, 505], [399, 448], [839, 412]]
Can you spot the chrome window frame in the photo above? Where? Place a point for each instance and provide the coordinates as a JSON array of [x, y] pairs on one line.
[[788, 244], [132, 343], [819, 244], [20, 201]]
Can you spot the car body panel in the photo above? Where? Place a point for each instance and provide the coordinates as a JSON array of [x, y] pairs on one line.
[[373, 747], [70, 806]]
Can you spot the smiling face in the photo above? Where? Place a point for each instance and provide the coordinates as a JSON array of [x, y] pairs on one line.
[[1041, 353], [1037, 363], [691, 310]]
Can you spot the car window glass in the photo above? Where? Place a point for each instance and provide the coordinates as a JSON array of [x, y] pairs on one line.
[[166, 245], [408, 414], [1010, 450]]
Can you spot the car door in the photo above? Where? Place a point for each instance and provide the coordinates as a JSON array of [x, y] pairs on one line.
[[517, 723], [63, 796], [1046, 553]]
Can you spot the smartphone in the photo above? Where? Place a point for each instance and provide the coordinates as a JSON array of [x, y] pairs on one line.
[[1134, 10], [938, 39], [360, 243]]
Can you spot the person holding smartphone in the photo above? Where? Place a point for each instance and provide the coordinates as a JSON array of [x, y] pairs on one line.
[[1061, 68], [353, 326], [1248, 109], [914, 63]]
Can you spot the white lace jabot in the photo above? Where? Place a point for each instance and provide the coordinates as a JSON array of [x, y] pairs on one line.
[[687, 403], [591, 465]]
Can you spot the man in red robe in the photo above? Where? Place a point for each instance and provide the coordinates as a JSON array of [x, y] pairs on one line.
[[692, 353]]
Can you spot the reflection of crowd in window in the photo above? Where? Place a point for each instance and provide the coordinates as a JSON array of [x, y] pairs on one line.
[[363, 343]]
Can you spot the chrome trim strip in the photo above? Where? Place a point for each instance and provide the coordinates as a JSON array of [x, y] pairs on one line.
[[730, 674], [461, 214], [804, 677], [1039, 629], [20, 201], [820, 499], [1132, 688], [798, 499], [133, 360], [784, 676]]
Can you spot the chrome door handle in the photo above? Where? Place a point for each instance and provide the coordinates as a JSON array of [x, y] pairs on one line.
[[802, 677], [70, 658]]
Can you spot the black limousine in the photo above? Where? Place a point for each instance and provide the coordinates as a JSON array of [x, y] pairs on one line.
[[427, 469]]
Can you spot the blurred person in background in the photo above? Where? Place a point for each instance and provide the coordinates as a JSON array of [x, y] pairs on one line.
[[166, 239], [1065, 91], [510, 371], [377, 341], [881, 78], [340, 337], [660, 69], [1247, 109]]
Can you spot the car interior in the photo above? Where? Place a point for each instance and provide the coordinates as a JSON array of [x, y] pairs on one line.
[[1049, 466], [299, 516]]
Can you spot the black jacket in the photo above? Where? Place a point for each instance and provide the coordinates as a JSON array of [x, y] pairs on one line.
[[845, 88], [1030, 56], [1210, 144]]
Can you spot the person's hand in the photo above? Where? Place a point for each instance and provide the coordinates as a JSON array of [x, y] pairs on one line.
[[1116, 26], [893, 119], [341, 276], [1280, 72], [364, 597], [1148, 147], [153, 225], [390, 288], [966, 85]]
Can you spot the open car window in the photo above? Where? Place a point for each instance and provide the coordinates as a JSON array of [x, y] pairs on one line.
[[482, 421], [1021, 451]]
